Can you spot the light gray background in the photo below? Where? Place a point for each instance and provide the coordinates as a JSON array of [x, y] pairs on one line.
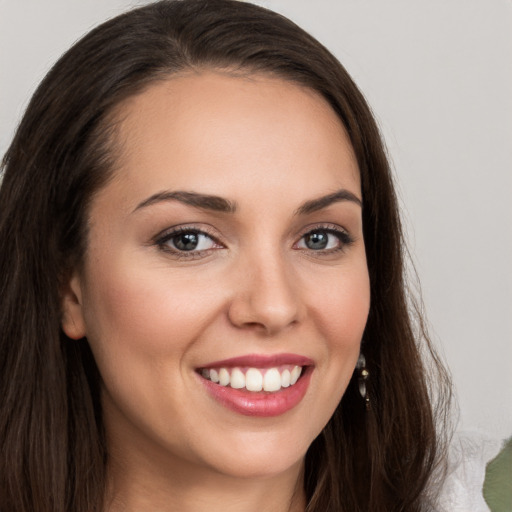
[[438, 74]]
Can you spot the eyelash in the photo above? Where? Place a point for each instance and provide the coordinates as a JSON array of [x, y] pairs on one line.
[[162, 241], [344, 238]]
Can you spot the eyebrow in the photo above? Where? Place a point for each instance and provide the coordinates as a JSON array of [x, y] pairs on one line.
[[323, 202], [203, 201], [219, 204]]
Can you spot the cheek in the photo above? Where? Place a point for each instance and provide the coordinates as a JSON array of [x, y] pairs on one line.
[[139, 319], [343, 303], [140, 326], [129, 300], [341, 311]]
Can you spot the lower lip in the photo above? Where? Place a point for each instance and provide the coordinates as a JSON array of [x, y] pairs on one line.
[[262, 403]]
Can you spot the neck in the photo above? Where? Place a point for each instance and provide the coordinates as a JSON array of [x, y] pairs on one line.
[[149, 479], [132, 492]]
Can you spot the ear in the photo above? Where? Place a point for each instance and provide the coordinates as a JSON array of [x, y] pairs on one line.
[[72, 321]]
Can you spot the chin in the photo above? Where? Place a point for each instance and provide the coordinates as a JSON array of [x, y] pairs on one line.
[[263, 467], [259, 455]]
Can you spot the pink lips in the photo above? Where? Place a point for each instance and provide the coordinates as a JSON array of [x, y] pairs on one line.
[[262, 361], [262, 404]]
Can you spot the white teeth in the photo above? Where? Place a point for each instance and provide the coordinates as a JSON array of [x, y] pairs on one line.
[[254, 379], [223, 377], [272, 380], [295, 374], [285, 378], [237, 379]]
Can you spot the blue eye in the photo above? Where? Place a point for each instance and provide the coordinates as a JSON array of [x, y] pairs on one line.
[[319, 240], [324, 240]]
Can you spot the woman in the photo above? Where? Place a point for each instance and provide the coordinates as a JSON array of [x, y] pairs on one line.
[[203, 300]]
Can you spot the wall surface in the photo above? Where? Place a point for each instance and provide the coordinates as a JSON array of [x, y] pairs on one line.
[[438, 75]]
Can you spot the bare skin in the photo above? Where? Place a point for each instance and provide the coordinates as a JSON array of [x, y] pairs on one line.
[[275, 264]]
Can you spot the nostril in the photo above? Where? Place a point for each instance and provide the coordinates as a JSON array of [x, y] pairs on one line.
[[262, 317]]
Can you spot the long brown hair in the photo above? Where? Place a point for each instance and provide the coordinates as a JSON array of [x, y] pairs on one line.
[[53, 454]]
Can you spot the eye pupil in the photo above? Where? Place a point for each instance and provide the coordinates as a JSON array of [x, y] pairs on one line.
[[317, 240], [186, 241]]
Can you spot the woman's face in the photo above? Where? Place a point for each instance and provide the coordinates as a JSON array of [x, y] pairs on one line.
[[227, 253]]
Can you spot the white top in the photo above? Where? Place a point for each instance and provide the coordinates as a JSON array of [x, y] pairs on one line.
[[468, 456]]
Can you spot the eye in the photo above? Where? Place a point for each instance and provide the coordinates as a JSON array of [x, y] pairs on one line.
[[192, 241], [324, 239], [186, 240]]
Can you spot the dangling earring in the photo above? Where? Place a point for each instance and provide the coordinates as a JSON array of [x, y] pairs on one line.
[[362, 378]]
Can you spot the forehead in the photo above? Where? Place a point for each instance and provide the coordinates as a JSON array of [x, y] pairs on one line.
[[182, 131]]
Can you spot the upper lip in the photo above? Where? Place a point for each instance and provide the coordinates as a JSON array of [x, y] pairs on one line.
[[261, 361]]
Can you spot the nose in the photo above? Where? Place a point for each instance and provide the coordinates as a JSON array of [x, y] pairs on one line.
[[266, 297]]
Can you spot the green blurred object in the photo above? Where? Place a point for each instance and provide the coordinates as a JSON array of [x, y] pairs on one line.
[[498, 480]]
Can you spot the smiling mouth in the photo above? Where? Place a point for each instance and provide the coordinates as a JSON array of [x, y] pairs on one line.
[[254, 379], [258, 385]]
